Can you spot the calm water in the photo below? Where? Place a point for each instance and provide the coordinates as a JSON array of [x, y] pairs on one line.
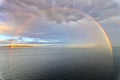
[[58, 64], [116, 53]]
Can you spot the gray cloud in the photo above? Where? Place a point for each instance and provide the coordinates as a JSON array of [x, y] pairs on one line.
[[112, 27], [16, 12]]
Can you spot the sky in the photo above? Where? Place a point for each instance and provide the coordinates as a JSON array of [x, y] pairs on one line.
[[36, 21]]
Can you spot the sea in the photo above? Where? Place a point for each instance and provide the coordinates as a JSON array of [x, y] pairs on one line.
[[59, 63]]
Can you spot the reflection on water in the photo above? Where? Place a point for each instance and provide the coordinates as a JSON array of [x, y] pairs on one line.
[[55, 63]]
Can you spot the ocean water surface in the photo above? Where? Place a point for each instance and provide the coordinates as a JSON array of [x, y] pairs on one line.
[[58, 63]]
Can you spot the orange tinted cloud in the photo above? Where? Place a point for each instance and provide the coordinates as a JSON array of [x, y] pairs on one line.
[[5, 29]]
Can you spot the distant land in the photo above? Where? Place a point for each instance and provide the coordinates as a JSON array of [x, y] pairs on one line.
[[51, 45], [18, 46]]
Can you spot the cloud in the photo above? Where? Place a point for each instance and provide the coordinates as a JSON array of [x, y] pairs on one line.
[[15, 13], [112, 27], [1, 2], [33, 7], [6, 29]]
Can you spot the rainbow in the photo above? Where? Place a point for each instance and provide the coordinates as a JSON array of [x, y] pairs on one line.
[[20, 28]]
